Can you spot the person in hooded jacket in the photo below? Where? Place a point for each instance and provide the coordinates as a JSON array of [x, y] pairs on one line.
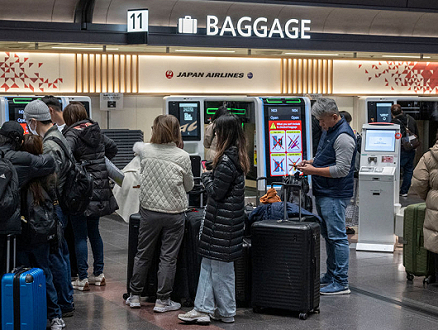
[[27, 166], [425, 184], [90, 146], [221, 235]]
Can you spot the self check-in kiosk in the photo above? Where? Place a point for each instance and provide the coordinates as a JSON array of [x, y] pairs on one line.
[[278, 129], [285, 141], [378, 186], [12, 107]]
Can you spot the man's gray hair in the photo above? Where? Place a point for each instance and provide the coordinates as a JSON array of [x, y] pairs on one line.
[[324, 106]]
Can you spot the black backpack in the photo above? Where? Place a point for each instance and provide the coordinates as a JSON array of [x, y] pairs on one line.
[[9, 189], [40, 219], [78, 187]]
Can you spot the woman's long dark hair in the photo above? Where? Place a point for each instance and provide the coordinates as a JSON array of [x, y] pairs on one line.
[[34, 144], [221, 111], [230, 133]]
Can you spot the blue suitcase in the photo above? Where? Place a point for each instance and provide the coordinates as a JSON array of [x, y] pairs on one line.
[[23, 298]]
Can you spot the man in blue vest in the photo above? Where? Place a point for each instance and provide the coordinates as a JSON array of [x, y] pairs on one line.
[[332, 171]]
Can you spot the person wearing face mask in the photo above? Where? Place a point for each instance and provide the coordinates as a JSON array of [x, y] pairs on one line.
[[38, 119]]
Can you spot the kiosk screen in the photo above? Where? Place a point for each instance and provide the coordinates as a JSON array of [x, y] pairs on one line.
[[380, 140], [384, 111], [15, 109], [379, 111], [285, 137], [188, 114]]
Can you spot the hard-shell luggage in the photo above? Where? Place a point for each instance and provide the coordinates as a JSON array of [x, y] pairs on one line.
[[243, 270], [285, 265], [23, 297], [416, 259]]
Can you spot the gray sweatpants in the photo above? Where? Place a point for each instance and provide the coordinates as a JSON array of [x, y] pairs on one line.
[[171, 227]]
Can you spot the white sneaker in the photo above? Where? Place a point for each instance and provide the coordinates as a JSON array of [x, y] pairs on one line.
[[195, 317], [133, 301], [81, 285], [162, 306], [57, 324], [217, 317], [97, 280]]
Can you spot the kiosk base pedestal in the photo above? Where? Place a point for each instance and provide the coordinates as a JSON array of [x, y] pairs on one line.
[[375, 247]]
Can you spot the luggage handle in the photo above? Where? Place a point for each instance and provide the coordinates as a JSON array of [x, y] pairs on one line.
[[8, 253], [201, 192], [284, 189], [257, 188], [419, 245]]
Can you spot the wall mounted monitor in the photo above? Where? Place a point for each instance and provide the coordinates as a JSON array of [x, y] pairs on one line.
[[189, 116], [379, 140]]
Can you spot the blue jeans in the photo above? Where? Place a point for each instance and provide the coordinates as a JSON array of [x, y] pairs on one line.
[[216, 288], [407, 164], [60, 266], [332, 212], [38, 256], [87, 227]]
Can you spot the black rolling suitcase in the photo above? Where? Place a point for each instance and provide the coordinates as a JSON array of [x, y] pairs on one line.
[[242, 270], [285, 265]]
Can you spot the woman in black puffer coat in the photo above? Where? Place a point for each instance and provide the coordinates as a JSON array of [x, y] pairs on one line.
[[221, 236], [89, 145]]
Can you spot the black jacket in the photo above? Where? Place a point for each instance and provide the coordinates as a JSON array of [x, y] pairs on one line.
[[402, 120], [411, 124], [222, 234], [28, 166], [89, 145]]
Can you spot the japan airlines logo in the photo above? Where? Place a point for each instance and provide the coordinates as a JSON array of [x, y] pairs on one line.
[[169, 74]]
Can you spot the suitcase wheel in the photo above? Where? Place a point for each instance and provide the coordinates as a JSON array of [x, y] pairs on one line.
[[316, 310], [125, 296], [428, 280], [303, 316], [410, 277]]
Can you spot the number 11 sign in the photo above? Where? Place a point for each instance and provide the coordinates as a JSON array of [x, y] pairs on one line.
[[138, 20]]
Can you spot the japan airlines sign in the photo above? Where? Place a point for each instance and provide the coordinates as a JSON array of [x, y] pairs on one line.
[[247, 27]]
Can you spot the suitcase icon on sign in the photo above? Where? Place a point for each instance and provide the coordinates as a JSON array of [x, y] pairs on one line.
[[188, 25]]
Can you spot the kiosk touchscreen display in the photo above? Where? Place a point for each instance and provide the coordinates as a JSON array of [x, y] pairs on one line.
[[379, 111], [15, 109], [285, 138], [188, 114], [380, 140]]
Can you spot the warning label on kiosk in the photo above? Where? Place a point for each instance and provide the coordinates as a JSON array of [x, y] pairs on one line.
[[285, 142], [278, 164]]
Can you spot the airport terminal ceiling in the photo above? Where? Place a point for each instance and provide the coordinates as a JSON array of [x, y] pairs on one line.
[[364, 28]]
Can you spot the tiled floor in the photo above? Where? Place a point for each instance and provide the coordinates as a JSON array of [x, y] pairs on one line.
[[380, 299]]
